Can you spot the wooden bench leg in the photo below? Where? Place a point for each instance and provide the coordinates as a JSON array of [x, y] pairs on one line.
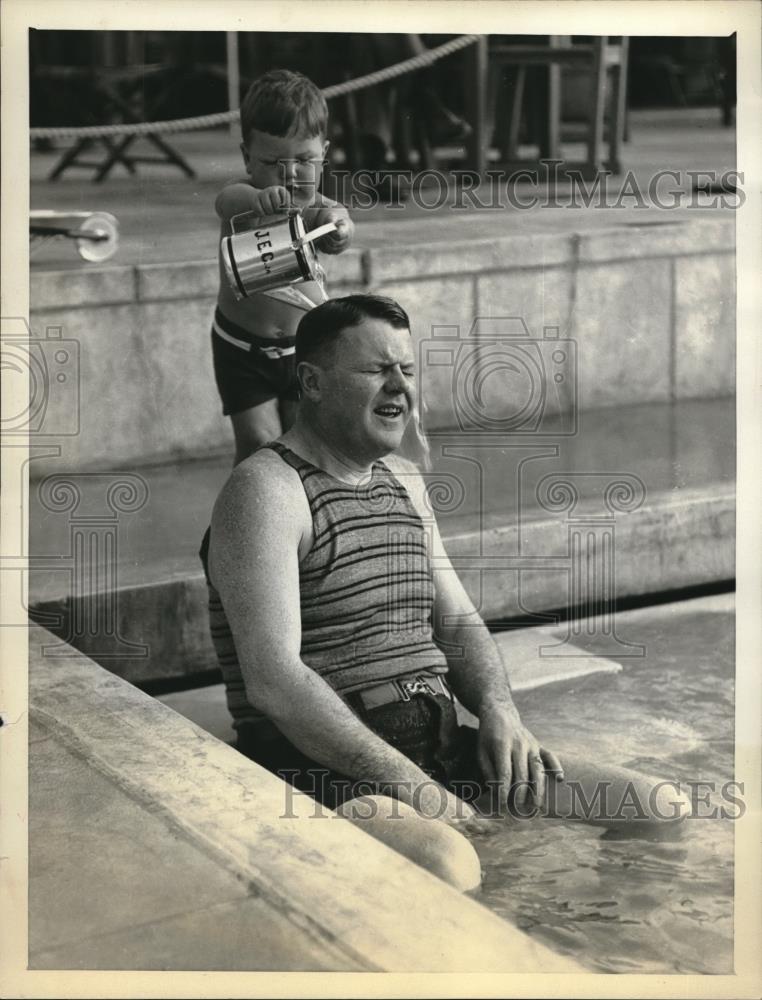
[[69, 158], [595, 129], [171, 154], [618, 110], [116, 155]]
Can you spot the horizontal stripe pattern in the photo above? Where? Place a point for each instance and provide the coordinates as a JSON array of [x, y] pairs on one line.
[[366, 590]]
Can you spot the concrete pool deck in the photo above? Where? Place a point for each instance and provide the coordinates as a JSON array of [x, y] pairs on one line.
[[155, 846]]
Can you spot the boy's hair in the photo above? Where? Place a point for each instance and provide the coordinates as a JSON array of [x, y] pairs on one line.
[[282, 103], [321, 327]]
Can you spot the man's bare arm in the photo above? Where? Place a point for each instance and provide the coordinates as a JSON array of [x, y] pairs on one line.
[[259, 522]]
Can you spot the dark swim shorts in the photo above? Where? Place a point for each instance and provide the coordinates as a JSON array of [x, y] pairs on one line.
[[425, 729], [250, 370]]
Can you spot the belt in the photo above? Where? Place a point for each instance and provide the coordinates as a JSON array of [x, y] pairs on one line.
[[402, 689], [271, 351]]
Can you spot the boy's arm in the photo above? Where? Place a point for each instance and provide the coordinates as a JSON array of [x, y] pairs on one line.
[[323, 210], [235, 199]]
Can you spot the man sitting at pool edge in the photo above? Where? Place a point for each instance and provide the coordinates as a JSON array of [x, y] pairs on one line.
[[341, 627]]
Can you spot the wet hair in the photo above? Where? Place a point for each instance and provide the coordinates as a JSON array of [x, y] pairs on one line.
[[283, 103], [322, 326]]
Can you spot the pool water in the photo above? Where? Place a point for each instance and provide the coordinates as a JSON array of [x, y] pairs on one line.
[[635, 904]]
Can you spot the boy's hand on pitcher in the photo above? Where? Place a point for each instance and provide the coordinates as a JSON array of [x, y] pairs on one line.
[[273, 200], [339, 240]]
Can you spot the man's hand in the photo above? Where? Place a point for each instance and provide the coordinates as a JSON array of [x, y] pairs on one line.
[[509, 755]]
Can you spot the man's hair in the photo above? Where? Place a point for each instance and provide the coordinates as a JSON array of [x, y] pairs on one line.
[[282, 103], [321, 327]]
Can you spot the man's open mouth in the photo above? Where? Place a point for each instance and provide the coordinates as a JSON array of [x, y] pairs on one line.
[[389, 410]]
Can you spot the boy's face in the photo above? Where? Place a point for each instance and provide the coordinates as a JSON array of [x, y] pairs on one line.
[[291, 161]]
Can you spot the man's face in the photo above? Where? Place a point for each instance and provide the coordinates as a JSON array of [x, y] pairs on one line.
[[292, 161], [369, 389]]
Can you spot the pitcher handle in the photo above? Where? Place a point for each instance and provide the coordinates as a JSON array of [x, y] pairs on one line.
[[314, 234]]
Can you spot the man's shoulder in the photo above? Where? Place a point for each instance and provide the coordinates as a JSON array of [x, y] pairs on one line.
[[263, 485], [265, 469], [261, 515]]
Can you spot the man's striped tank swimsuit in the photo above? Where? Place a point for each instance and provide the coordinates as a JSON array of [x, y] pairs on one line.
[[365, 588]]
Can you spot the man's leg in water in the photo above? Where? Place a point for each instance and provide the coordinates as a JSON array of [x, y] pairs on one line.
[[430, 843], [590, 791], [604, 794]]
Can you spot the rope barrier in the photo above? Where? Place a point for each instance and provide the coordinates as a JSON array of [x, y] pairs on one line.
[[226, 117], [398, 69]]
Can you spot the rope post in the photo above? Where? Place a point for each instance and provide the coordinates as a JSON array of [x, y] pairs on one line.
[[234, 78]]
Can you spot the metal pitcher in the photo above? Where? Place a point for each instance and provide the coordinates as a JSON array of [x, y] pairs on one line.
[[258, 258]]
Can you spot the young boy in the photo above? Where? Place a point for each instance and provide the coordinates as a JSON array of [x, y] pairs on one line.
[[284, 120]]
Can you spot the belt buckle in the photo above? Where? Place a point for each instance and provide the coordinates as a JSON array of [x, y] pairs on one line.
[[273, 353], [419, 685]]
